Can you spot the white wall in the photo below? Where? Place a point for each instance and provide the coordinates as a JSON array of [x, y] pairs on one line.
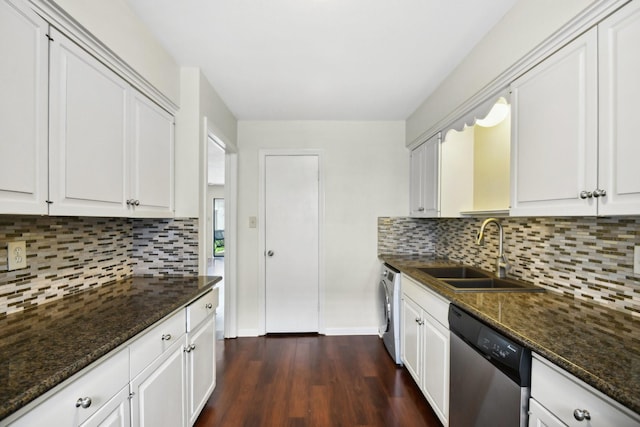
[[197, 101], [366, 176], [115, 24], [523, 28]]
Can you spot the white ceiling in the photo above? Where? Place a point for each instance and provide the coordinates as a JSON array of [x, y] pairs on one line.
[[321, 59]]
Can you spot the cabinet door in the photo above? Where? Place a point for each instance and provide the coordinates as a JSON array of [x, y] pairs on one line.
[[411, 341], [152, 157], [158, 392], [98, 383], [115, 413], [23, 108], [540, 417], [436, 367], [619, 56], [424, 179], [88, 138], [201, 368], [554, 133]]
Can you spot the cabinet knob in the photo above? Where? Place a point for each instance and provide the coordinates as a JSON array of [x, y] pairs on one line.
[[420, 209], [189, 348], [599, 193], [419, 321], [83, 402], [581, 414], [586, 194], [166, 337], [129, 202], [136, 202], [208, 306]]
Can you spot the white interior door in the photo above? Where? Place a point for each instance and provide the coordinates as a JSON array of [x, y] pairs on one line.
[[291, 243]]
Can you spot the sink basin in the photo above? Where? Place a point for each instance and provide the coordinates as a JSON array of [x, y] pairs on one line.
[[460, 278], [454, 272], [490, 284]]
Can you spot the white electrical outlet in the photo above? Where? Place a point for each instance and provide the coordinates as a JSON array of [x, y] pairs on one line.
[[16, 255], [636, 260]]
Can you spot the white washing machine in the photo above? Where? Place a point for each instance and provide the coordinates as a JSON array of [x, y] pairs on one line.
[[390, 297]]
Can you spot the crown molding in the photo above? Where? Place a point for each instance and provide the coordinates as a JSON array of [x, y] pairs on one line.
[[588, 18], [61, 20]]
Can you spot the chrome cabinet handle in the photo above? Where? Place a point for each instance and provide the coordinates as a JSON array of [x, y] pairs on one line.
[[419, 321], [599, 193], [581, 414], [166, 337], [586, 194], [209, 306], [190, 348], [83, 402]]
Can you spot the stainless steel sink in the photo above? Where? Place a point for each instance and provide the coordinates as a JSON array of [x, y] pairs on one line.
[[490, 284], [461, 278], [454, 272]]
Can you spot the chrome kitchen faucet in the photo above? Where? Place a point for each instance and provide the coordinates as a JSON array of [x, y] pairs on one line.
[[501, 263]]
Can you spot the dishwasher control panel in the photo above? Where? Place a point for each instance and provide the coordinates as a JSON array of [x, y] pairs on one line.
[[498, 347]]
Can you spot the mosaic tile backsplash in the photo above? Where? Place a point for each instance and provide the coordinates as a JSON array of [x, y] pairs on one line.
[[587, 258], [68, 254]]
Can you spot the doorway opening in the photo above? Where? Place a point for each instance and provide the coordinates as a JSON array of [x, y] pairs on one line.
[[218, 227], [215, 242]]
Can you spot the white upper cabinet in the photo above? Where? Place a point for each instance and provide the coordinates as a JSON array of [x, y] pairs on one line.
[[152, 172], [88, 142], [619, 93], [424, 179], [23, 108], [554, 133], [110, 147], [575, 150]]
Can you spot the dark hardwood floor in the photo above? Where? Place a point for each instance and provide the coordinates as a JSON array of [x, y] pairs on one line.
[[294, 380]]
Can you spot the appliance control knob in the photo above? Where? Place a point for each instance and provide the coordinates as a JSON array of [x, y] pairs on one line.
[[581, 414]]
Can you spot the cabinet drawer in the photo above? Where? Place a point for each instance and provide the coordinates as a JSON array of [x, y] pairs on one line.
[[155, 341], [435, 305], [201, 308], [100, 383], [561, 393]]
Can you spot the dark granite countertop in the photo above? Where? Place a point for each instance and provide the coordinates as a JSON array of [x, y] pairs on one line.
[[43, 346], [596, 344]]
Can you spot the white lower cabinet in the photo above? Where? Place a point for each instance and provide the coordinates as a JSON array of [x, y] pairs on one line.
[[201, 367], [84, 398], [158, 392], [425, 343], [163, 378], [560, 399], [114, 413]]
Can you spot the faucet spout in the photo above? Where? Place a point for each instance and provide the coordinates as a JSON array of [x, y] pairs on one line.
[[501, 262]]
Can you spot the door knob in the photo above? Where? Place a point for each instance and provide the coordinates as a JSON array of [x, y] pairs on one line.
[[270, 253]]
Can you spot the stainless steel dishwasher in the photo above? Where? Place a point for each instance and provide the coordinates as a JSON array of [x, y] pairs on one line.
[[490, 375]]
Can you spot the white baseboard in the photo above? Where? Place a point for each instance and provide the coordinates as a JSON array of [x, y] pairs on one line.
[[352, 331]]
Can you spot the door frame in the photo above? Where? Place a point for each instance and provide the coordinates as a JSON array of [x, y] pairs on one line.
[[230, 224], [262, 155]]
